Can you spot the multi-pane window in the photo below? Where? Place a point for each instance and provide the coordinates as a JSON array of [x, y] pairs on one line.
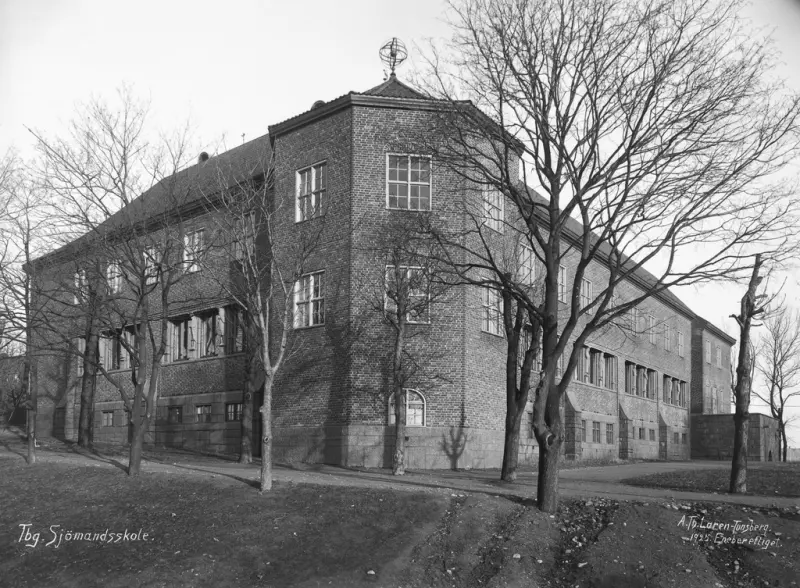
[[108, 418], [651, 328], [309, 300], [667, 337], [209, 333], [609, 433], [641, 433], [408, 179], [312, 185], [634, 318], [244, 236], [192, 250], [583, 431], [408, 287], [719, 356], [415, 409], [203, 413], [182, 340], [151, 265], [114, 277], [680, 344], [708, 351], [526, 266], [652, 434], [81, 286], [586, 293], [175, 414], [675, 438], [491, 311], [493, 209], [114, 349], [683, 438], [610, 365], [233, 411], [233, 330], [562, 284], [596, 432]]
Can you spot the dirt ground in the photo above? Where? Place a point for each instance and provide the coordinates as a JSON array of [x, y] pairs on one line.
[[211, 528]]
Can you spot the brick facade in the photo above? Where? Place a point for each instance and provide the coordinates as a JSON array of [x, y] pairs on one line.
[[331, 400]]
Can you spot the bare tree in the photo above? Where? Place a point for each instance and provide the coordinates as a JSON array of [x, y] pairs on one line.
[[651, 136], [751, 307], [122, 203], [778, 362], [266, 279]]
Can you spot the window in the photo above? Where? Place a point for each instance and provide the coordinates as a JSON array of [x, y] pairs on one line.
[[680, 344], [651, 328], [667, 337], [675, 438], [630, 377], [641, 433], [526, 266], [596, 367], [309, 300], [114, 277], [559, 365], [408, 180], [108, 418], [583, 431], [234, 335], [244, 240], [182, 342], [174, 414], [652, 434], [192, 251], [492, 311], [667, 389], [493, 209], [708, 351], [596, 432], [152, 265], [81, 284], [586, 293], [719, 356], [683, 438], [312, 184], [113, 349], [210, 330], [652, 384], [634, 318], [562, 284], [609, 433], [409, 287], [80, 345], [203, 413], [415, 409], [610, 371], [233, 411]]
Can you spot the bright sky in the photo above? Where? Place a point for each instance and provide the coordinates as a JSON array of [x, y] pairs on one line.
[[236, 69]]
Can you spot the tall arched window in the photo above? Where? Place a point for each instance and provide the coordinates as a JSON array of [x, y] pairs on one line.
[[415, 408]]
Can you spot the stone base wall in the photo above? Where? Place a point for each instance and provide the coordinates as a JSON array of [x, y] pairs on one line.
[[712, 437]]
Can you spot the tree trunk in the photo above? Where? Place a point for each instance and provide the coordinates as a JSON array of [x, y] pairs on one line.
[[266, 437], [511, 446], [399, 456], [784, 445], [137, 443], [141, 422], [33, 403], [246, 444], [547, 485], [743, 383], [88, 387]]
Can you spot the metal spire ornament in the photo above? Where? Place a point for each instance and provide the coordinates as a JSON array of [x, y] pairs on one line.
[[393, 53]]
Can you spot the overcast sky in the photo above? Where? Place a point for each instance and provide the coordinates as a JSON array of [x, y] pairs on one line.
[[234, 68]]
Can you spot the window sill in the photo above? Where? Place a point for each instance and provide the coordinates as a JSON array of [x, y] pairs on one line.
[[595, 386], [197, 359], [409, 209], [498, 335], [308, 327], [307, 220]]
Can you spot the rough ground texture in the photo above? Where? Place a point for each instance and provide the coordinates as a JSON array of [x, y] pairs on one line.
[[208, 526]]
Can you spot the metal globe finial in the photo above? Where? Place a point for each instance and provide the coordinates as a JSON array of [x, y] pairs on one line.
[[393, 53]]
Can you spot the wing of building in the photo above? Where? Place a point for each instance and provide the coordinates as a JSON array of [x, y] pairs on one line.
[[635, 393]]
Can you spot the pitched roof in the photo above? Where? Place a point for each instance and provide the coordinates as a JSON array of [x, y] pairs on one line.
[[182, 189], [394, 88]]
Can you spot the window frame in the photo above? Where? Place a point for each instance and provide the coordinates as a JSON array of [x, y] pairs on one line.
[[421, 400], [233, 412], [81, 284], [314, 316], [390, 305], [107, 418], [175, 414], [651, 329], [152, 266], [596, 435], [114, 277], [200, 411], [317, 196], [562, 284], [192, 253], [487, 308], [408, 183], [609, 433], [493, 204], [681, 342], [586, 293]]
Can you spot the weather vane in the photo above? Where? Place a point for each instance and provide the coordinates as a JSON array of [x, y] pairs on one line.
[[393, 53]]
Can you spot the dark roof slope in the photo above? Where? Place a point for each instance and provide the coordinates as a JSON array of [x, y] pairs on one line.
[[183, 189], [394, 88]]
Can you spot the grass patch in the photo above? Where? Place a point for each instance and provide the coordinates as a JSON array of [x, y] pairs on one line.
[[201, 531], [779, 479]]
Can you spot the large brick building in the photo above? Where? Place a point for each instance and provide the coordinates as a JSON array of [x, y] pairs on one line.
[[633, 396]]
